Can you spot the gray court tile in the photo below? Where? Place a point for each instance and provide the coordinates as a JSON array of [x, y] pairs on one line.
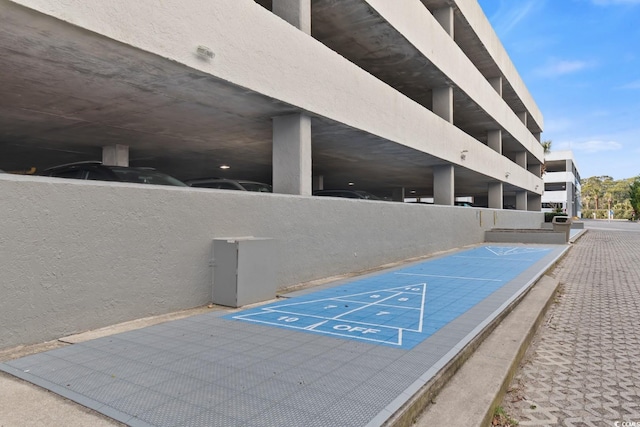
[[281, 415], [113, 391], [179, 386], [32, 360], [171, 413], [139, 402], [352, 412], [82, 355], [297, 375], [245, 406], [273, 390], [214, 355], [68, 374], [241, 380], [210, 396], [151, 377], [242, 360], [209, 418], [354, 372], [157, 358], [127, 368], [375, 391], [334, 384], [89, 382], [321, 364], [311, 400], [269, 368]]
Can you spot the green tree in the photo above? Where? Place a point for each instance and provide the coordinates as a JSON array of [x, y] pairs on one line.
[[606, 193], [634, 196], [592, 189]]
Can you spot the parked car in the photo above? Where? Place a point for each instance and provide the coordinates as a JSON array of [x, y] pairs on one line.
[[230, 184], [98, 171], [349, 194], [467, 204]]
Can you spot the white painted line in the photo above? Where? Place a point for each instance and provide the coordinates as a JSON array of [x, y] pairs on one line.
[[424, 297], [327, 332], [403, 307], [494, 258], [310, 327], [367, 305]]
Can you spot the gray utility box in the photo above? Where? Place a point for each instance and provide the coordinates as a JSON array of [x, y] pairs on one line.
[[562, 224], [243, 271]]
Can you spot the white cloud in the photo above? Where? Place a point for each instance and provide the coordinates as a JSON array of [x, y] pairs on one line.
[[560, 67], [592, 146], [510, 14]]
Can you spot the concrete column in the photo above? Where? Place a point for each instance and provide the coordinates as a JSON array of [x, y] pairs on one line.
[[521, 200], [495, 195], [295, 12], [443, 102], [444, 17], [317, 182], [398, 194], [494, 140], [443, 185], [292, 154], [534, 202], [496, 82], [521, 159], [115, 155], [523, 117]]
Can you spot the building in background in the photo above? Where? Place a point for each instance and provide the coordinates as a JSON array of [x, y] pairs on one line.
[[561, 184]]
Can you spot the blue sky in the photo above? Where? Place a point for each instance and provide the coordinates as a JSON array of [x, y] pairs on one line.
[[580, 60]]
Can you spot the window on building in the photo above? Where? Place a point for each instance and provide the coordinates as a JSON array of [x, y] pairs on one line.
[[555, 186]]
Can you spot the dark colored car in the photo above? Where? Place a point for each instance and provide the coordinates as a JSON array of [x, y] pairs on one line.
[[98, 171], [349, 194], [230, 184]]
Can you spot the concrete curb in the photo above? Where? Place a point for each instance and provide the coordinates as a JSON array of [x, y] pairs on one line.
[[471, 394]]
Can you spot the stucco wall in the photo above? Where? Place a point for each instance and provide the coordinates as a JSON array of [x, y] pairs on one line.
[[80, 255]]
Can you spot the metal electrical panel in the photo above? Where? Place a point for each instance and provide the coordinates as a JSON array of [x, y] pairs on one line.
[[243, 271]]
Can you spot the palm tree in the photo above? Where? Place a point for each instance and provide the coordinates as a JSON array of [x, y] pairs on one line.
[[547, 148]]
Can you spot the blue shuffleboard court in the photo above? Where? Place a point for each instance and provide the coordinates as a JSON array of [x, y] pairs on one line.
[[402, 307]]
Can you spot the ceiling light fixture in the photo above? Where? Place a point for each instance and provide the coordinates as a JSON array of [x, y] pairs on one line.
[[225, 167], [351, 184]]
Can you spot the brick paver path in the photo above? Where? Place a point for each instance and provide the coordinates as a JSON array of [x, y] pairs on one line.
[[583, 366]]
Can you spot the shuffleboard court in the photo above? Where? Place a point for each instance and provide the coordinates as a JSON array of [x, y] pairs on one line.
[[402, 307]]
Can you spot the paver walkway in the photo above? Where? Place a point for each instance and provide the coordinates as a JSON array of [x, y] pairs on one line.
[[583, 366]]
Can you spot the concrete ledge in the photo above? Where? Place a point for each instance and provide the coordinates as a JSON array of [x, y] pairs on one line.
[[471, 395], [518, 235]]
